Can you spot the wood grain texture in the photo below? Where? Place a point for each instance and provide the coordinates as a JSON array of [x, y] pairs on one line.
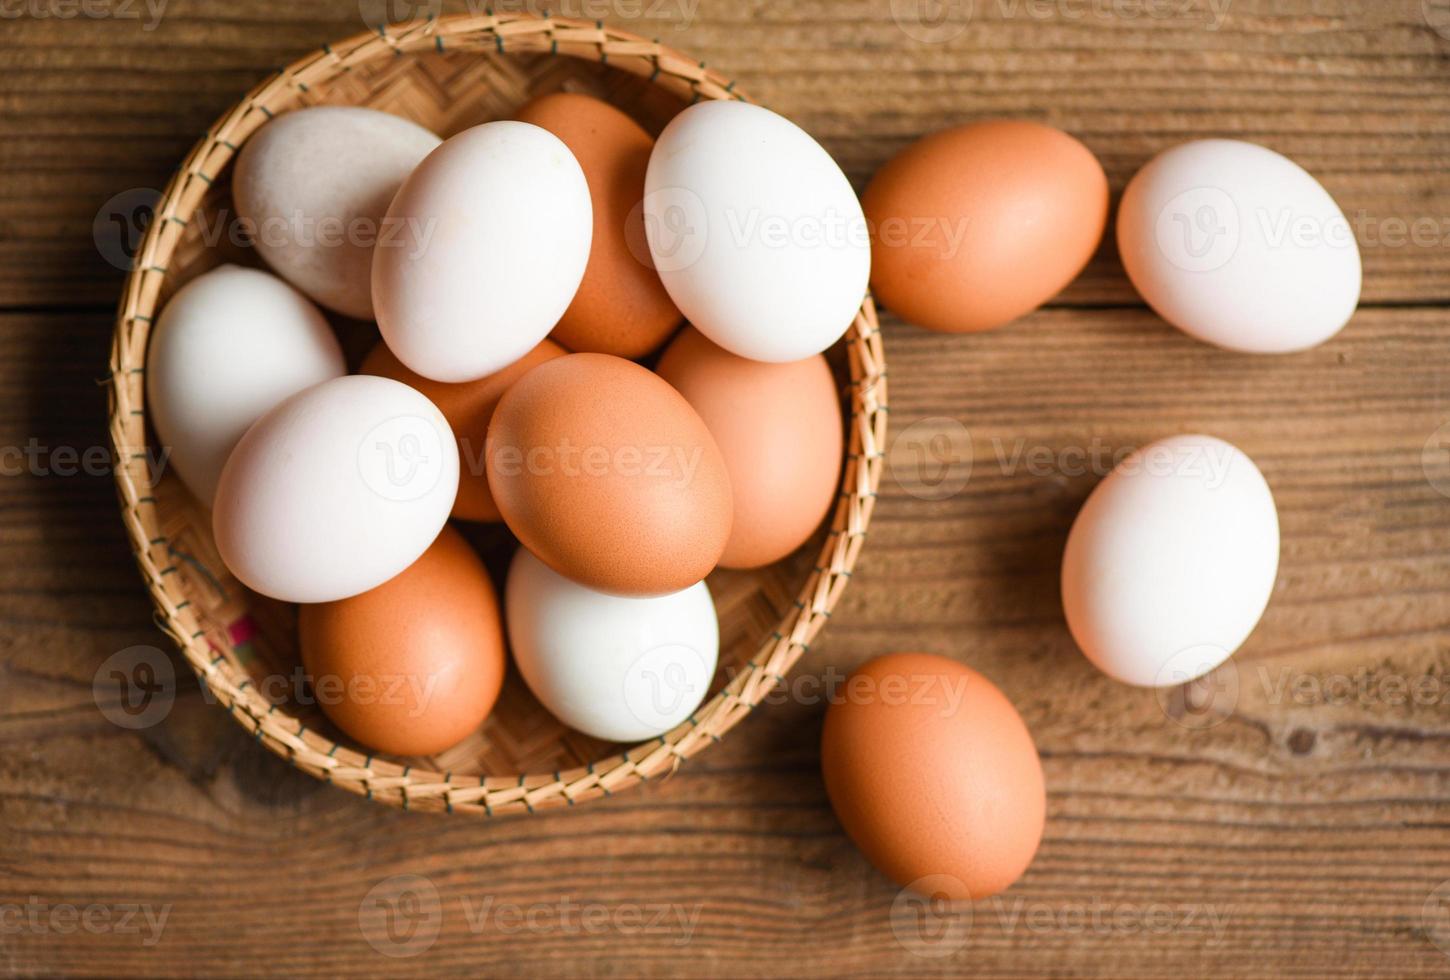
[[1295, 824]]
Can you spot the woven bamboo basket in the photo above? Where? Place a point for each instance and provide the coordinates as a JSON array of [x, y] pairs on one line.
[[448, 74]]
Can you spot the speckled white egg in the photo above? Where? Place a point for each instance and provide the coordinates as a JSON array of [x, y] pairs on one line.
[[502, 225], [1171, 561], [336, 490], [230, 345], [622, 669], [1239, 247], [314, 186], [755, 231]]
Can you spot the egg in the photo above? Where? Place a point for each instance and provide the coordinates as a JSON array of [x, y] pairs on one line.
[[1239, 247], [621, 307], [933, 775], [336, 490], [230, 345], [1171, 561], [313, 186], [977, 225], [502, 223], [608, 475], [778, 427], [755, 231], [621, 669], [413, 666], [468, 406]]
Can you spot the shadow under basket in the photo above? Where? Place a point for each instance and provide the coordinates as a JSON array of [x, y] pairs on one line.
[[449, 74]]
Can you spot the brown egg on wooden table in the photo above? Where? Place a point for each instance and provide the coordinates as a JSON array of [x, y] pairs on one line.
[[621, 307], [608, 475], [934, 775], [413, 666], [975, 226], [779, 429], [468, 406]]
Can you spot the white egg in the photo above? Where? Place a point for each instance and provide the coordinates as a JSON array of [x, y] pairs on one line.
[[1170, 563], [1239, 247], [336, 490], [622, 669], [314, 185], [501, 222], [229, 346], [756, 233]]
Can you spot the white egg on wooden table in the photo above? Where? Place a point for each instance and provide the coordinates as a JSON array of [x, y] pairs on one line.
[[503, 225], [755, 231], [314, 186], [1240, 247], [1171, 561], [619, 668], [336, 490], [229, 346]]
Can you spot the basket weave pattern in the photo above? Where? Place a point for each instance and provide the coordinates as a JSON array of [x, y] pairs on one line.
[[446, 74]]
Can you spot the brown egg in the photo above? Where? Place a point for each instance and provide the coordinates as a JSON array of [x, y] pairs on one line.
[[975, 226], [608, 475], [467, 407], [413, 666], [779, 429], [934, 775], [621, 307]]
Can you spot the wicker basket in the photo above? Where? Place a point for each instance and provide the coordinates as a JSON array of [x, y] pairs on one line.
[[448, 74]]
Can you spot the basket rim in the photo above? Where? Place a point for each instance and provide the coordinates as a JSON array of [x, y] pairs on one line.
[[384, 779]]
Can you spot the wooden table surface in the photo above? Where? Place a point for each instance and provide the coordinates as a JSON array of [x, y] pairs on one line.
[[1300, 827]]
